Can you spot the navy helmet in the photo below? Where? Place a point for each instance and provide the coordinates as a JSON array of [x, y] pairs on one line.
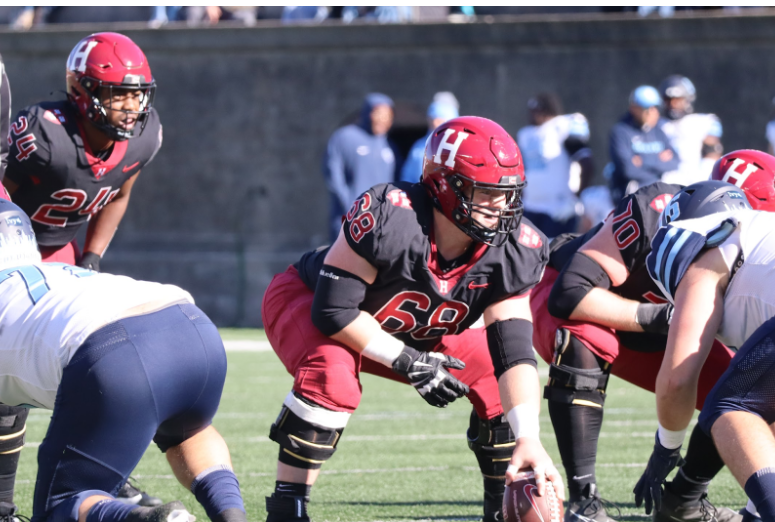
[[702, 199]]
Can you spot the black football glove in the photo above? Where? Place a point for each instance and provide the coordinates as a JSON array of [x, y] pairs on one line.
[[91, 261], [654, 318], [661, 463], [427, 372]]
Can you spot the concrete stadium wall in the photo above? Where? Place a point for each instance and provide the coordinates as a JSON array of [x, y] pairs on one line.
[[236, 193]]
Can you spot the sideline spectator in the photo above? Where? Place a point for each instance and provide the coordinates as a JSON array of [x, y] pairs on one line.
[[550, 145], [358, 157], [438, 112], [696, 138], [384, 14], [295, 14], [640, 150]]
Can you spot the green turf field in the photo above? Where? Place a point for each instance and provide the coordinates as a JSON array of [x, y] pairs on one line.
[[399, 458]]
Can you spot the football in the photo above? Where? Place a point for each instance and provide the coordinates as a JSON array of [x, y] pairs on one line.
[[521, 502]]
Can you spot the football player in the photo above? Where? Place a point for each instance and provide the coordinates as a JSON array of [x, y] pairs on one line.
[[712, 257], [396, 295], [120, 362], [695, 137], [597, 312], [75, 161]]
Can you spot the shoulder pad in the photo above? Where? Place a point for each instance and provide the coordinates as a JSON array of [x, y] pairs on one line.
[[677, 245]]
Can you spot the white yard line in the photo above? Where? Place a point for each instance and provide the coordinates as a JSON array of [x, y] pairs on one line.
[[247, 346]]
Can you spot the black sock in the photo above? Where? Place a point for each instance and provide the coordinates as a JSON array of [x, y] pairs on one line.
[[702, 464], [292, 489], [577, 429], [493, 494], [8, 464]]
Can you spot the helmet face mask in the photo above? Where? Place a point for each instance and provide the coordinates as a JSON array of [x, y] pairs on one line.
[[474, 173], [110, 84], [487, 212], [119, 123]]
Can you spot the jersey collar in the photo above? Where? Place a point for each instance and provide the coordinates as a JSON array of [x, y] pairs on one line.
[[99, 167]]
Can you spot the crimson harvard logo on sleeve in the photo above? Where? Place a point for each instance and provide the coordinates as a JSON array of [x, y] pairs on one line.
[[529, 237], [660, 202], [399, 199]]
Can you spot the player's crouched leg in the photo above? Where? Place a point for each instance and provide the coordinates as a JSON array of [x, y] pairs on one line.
[[492, 441], [741, 407], [12, 429], [578, 379], [156, 377], [307, 434], [489, 435]]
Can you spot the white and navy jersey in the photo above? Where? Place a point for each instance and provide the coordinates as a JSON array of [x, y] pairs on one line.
[[548, 161], [749, 251], [686, 136], [47, 311]]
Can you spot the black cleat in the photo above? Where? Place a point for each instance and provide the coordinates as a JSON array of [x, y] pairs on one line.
[[677, 509], [131, 494], [172, 512], [497, 516], [589, 509], [8, 513], [286, 509]]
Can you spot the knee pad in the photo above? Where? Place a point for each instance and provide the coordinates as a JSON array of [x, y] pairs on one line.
[[307, 434], [492, 441], [570, 384], [13, 426]]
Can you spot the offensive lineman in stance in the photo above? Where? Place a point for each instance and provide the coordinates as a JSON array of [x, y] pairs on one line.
[[597, 312], [120, 362], [414, 266], [713, 257]]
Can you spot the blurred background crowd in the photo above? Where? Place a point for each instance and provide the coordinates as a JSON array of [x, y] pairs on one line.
[[659, 137], [23, 18]]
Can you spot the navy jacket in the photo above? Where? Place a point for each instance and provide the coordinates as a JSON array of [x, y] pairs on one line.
[[355, 161], [628, 139]]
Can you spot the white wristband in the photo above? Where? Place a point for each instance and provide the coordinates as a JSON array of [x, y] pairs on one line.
[[671, 439], [383, 348], [523, 419]]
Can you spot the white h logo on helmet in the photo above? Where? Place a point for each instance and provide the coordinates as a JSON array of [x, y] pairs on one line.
[[451, 147], [738, 178], [82, 54]]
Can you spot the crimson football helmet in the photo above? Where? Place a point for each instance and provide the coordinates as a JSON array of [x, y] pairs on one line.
[[113, 61], [470, 154], [753, 172]]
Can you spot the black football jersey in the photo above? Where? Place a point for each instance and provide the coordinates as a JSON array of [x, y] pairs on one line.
[[391, 226], [635, 223], [61, 183]]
